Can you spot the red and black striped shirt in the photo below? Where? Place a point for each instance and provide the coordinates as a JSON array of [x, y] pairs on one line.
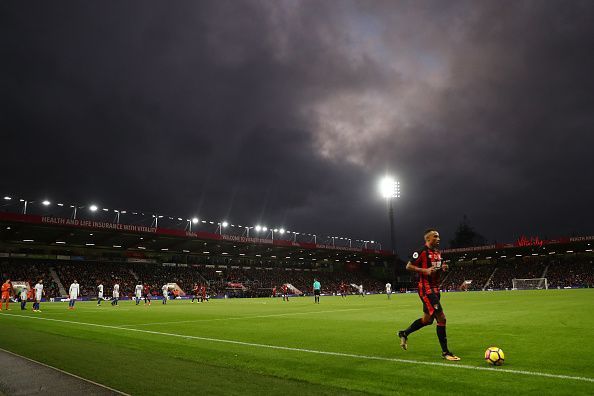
[[426, 257]]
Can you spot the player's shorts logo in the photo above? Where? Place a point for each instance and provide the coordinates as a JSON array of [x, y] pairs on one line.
[[415, 255]]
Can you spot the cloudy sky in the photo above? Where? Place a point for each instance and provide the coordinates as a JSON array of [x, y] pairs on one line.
[[287, 112]]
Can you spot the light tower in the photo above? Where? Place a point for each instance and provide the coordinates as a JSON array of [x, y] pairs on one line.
[[390, 189]]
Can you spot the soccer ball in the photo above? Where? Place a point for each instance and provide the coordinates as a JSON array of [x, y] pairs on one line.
[[494, 356]]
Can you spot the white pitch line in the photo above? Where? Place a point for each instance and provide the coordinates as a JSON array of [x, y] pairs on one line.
[[65, 372], [313, 351], [240, 317]]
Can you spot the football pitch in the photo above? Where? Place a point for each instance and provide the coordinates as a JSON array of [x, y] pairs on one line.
[[339, 347]]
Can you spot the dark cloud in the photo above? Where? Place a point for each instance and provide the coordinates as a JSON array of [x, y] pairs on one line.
[[287, 112]]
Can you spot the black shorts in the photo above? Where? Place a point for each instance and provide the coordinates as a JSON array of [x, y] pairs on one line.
[[316, 292], [431, 304]]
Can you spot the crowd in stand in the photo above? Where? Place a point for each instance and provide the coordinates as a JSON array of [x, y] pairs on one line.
[[568, 271], [241, 282], [260, 281], [477, 275], [571, 271], [155, 276], [90, 274], [519, 269], [31, 272], [578, 273]]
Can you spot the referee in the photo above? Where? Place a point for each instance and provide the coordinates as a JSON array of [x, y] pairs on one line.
[[317, 288]]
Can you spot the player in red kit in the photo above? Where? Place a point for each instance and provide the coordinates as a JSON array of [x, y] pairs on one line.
[[343, 289], [285, 290], [203, 290], [147, 294], [427, 264], [196, 294], [6, 293]]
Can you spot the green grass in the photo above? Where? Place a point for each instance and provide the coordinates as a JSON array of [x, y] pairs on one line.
[[539, 331]]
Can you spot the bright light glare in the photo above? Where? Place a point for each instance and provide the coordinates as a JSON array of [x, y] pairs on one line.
[[389, 187], [7, 198], [225, 224], [46, 202], [93, 208], [264, 228], [195, 220], [258, 228], [282, 230]]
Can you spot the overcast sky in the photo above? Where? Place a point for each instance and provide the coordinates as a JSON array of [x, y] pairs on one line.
[[286, 113]]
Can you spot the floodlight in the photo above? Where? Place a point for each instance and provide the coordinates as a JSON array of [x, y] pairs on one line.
[[195, 220], [258, 228], [389, 187], [224, 224], [46, 202], [282, 230], [7, 198], [93, 208], [264, 228]]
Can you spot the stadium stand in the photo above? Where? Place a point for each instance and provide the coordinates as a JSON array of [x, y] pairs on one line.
[[30, 271], [570, 270], [61, 249], [567, 272], [255, 282], [89, 274]]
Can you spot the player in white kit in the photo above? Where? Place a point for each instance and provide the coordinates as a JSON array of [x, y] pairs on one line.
[[99, 294], [165, 289], [23, 298], [389, 289], [116, 295], [38, 294], [73, 293], [138, 293]]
